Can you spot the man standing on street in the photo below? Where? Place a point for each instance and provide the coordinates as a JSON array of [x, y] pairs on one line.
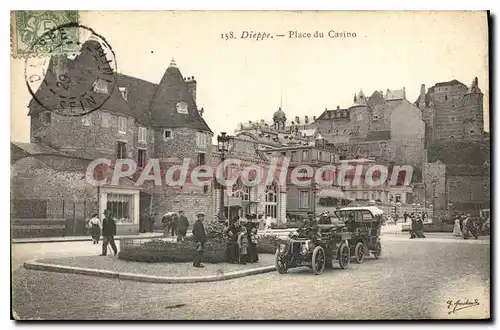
[[200, 237], [182, 227], [108, 233]]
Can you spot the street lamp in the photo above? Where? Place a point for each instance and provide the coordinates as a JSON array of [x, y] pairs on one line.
[[223, 147], [433, 196], [314, 190]]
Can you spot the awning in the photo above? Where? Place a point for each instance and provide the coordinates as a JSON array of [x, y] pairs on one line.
[[332, 193]]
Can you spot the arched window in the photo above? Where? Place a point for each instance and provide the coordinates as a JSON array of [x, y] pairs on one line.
[[271, 201], [239, 190]]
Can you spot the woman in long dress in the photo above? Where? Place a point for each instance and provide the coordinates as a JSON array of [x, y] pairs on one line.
[[95, 228], [456, 228]]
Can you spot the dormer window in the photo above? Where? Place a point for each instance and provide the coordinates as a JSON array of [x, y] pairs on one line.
[[182, 108], [100, 86], [167, 134], [124, 92]]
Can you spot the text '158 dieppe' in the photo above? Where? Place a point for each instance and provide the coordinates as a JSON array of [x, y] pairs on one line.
[[290, 34]]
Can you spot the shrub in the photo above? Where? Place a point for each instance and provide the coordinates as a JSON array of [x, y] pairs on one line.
[[162, 251]]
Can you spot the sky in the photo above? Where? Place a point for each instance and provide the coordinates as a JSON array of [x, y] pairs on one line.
[[247, 79]]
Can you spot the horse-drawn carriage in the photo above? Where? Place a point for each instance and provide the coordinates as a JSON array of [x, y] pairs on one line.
[[350, 232]]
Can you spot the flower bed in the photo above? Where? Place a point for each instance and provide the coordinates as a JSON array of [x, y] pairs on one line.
[[268, 243], [162, 251]]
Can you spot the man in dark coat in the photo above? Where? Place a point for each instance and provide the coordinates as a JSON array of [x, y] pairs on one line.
[[108, 233], [200, 237], [182, 226], [232, 232]]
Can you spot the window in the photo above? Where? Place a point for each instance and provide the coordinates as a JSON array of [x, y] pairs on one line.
[[141, 157], [304, 199], [305, 155], [142, 134], [375, 117], [201, 140], [152, 136], [271, 201], [200, 159], [46, 117], [398, 198], [182, 107], [446, 97], [320, 155], [124, 92], [471, 131], [100, 86], [294, 156], [120, 207], [105, 120], [121, 150], [167, 134], [122, 125], [452, 119], [359, 116], [86, 120]]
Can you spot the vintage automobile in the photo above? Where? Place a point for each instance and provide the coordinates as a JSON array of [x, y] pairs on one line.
[[364, 224], [316, 249]]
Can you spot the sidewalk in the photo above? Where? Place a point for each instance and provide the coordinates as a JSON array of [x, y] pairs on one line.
[[182, 272], [78, 238]]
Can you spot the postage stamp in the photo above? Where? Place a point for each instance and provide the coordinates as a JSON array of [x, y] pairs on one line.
[[74, 83], [28, 26]]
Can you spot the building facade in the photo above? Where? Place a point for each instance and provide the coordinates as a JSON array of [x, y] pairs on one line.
[[140, 120]]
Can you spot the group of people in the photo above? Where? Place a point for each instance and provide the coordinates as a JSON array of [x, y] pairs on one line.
[[107, 229], [242, 240], [175, 224], [413, 215], [467, 226], [417, 225]]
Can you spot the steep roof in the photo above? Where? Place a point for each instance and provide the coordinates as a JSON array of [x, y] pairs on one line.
[[448, 83], [150, 103], [172, 90], [376, 99]]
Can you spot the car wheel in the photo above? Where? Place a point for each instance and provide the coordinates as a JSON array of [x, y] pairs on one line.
[[378, 250], [281, 263], [318, 260], [359, 252], [344, 255]]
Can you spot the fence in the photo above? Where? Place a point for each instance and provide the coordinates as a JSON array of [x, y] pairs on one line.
[[50, 218]]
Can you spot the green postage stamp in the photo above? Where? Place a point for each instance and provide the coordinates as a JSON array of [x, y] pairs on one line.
[[28, 27]]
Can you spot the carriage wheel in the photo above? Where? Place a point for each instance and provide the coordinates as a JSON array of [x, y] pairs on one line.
[[281, 263], [378, 250], [359, 252], [344, 255], [318, 260]]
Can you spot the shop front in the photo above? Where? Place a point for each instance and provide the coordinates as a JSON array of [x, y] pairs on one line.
[[123, 203]]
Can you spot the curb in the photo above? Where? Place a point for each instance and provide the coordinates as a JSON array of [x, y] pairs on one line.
[[34, 265], [89, 239]]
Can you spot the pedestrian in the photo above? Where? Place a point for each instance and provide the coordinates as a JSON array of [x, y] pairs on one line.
[[108, 233], [243, 245], [253, 255], [413, 227], [456, 228], [173, 224], [420, 227], [232, 255], [182, 226], [200, 237], [267, 227], [95, 228]]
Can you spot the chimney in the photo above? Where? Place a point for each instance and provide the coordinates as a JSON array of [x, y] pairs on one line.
[[404, 92], [306, 120], [191, 85], [421, 101], [338, 107], [201, 111], [314, 118], [297, 119]]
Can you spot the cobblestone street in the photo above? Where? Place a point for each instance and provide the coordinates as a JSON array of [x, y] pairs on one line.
[[412, 280]]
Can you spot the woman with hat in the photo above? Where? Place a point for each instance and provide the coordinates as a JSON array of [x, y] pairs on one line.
[[95, 228]]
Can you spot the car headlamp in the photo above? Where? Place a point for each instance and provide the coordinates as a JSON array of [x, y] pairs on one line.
[[304, 249]]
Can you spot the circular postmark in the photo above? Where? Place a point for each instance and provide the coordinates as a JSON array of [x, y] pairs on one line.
[[71, 83]]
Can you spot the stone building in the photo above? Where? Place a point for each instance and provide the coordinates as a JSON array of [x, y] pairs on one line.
[[384, 126], [457, 173], [140, 120]]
